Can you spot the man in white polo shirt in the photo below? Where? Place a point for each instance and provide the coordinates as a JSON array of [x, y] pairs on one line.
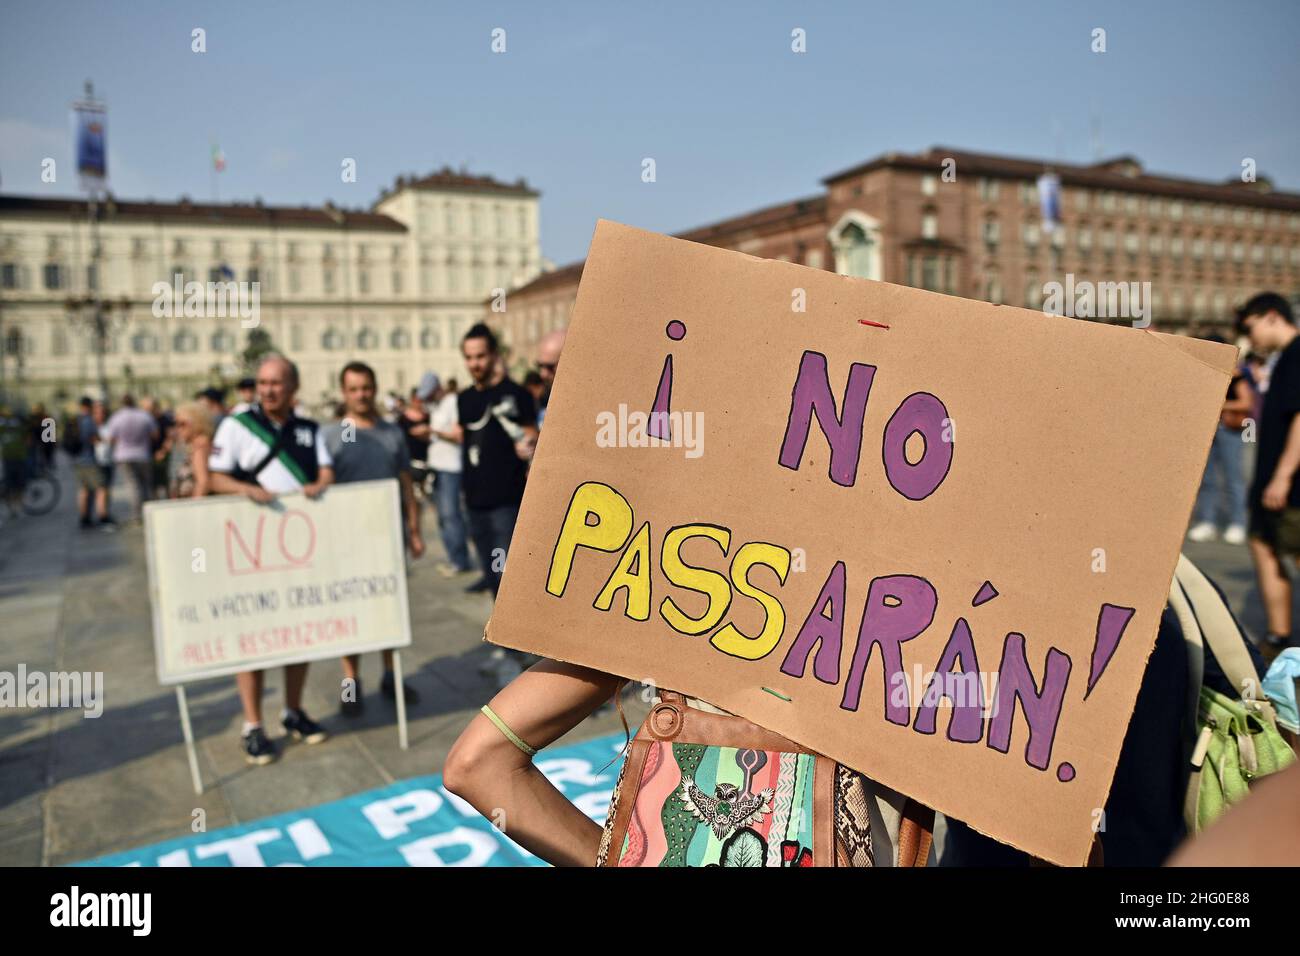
[[265, 451]]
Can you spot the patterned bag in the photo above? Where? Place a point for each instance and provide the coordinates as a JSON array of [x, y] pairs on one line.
[[709, 789]]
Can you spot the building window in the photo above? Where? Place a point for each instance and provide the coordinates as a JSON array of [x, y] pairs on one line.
[[992, 232], [1030, 234], [92, 277], [1131, 243], [185, 341], [295, 337], [1085, 239], [929, 225], [1131, 204], [857, 252], [295, 280], [367, 340], [254, 274], [9, 275], [397, 282], [55, 277], [929, 185], [13, 342], [1081, 200], [1033, 290], [988, 189], [327, 277], [1028, 193], [331, 340], [430, 337], [138, 248], [993, 289], [144, 343], [1176, 247], [1219, 250], [222, 341], [59, 341], [1176, 209], [1155, 245], [363, 281], [1198, 248], [399, 340], [930, 273], [814, 259]]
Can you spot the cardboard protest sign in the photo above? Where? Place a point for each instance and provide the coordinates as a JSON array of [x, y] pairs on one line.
[[801, 497], [238, 586]]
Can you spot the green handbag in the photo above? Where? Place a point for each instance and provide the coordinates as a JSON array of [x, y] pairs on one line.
[[1237, 741]]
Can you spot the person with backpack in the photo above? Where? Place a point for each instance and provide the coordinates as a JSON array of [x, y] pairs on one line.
[[79, 441]]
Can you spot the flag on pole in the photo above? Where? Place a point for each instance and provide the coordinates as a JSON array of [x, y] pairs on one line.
[[218, 159], [1049, 200], [92, 148]]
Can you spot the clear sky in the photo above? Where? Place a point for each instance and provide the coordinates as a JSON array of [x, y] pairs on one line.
[[585, 91]]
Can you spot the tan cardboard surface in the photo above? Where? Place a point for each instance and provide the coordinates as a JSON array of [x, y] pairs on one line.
[[1073, 453]]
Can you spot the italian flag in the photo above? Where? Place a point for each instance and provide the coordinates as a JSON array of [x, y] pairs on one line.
[[218, 158]]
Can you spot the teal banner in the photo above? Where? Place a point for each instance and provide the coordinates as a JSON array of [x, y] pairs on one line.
[[412, 823]]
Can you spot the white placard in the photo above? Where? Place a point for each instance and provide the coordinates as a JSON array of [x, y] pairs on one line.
[[239, 586]]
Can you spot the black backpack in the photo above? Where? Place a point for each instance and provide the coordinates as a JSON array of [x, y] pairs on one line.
[[72, 441]]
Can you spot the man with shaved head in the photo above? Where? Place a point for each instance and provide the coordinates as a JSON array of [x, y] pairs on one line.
[[548, 360], [262, 452]]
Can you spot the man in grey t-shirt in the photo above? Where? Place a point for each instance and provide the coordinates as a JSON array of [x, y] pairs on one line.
[[367, 448]]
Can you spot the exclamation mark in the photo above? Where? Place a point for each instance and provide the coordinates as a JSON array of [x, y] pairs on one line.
[[1111, 623]]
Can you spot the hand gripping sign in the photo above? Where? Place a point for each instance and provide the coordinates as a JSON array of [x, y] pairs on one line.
[[928, 537]]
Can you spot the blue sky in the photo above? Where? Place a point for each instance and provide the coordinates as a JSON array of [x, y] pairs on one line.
[[585, 91]]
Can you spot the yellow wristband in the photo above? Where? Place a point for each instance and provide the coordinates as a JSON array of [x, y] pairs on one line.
[[509, 734]]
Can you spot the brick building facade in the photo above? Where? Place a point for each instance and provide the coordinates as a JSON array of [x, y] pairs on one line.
[[970, 224]]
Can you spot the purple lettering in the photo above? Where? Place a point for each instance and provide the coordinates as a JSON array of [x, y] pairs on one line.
[[899, 607], [823, 630], [924, 413], [812, 395], [1042, 709]]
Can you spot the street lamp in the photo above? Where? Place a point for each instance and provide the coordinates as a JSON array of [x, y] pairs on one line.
[[101, 318]]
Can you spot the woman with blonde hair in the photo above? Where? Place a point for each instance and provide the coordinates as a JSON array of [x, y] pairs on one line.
[[191, 443]]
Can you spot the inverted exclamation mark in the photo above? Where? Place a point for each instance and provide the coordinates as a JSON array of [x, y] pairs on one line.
[[659, 427]]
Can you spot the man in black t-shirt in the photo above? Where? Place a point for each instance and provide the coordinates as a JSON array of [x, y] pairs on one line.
[[499, 420], [1274, 494]]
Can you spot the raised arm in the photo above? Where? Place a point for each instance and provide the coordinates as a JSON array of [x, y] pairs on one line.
[[486, 769]]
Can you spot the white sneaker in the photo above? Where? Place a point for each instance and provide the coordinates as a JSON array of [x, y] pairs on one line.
[[1235, 534], [1202, 532]]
